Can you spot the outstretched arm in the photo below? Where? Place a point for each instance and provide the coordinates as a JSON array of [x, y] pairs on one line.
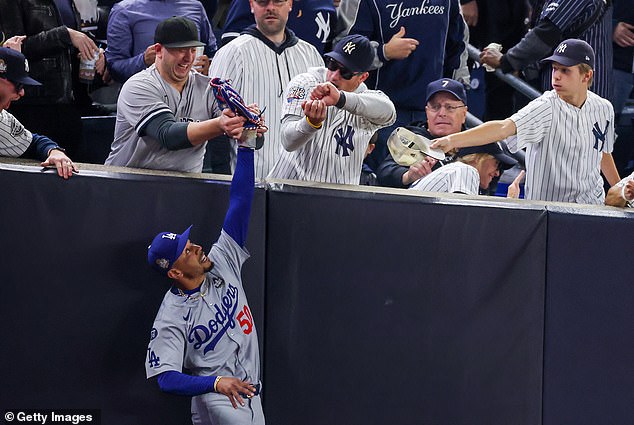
[[241, 195], [483, 134]]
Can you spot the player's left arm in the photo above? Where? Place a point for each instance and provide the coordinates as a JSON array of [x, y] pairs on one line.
[[608, 168], [236, 223]]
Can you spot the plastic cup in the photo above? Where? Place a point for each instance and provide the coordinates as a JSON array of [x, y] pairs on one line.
[[87, 69]]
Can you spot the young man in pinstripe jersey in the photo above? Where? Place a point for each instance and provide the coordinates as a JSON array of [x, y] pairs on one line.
[[329, 117], [568, 133], [260, 63]]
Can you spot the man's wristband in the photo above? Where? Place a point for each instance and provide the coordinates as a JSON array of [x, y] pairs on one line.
[[342, 100], [218, 378], [315, 126]]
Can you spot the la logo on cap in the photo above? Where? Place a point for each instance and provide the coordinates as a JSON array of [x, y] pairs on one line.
[[562, 48], [349, 47]]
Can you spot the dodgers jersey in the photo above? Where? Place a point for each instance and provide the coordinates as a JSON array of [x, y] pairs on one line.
[[564, 147], [335, 152], [14, 138], [260, 72], [145, 95], [210, 332], [456, 177]]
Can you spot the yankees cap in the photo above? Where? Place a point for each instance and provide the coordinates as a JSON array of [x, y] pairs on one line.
[[492, 149], [572, 52], [176, 32], [15, 68], [354, 52], [448, 85], [165, 250]]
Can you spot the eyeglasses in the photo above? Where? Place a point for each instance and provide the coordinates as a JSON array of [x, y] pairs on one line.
[[264, 3], [18, 86], [435, 107], [345, 73]]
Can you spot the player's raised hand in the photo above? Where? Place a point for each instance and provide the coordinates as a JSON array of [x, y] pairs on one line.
[[232, 124], [418, 170], [399, 47], [315, 111], [262, 128], [514, 188], [234, 388], [59, 160]]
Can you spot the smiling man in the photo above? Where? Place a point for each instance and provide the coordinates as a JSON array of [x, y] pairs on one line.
[[568, 133], [167, 112], [329, 117], [204, 324]]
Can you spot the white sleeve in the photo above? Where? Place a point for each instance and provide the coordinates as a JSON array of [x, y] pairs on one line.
[[140, 100], [373, 105], [14, 138], [532, 122]]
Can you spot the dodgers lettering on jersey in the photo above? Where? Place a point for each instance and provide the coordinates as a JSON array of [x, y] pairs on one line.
[[209, 333]]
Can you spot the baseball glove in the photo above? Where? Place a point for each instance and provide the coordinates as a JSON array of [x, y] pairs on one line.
[[228, 97]]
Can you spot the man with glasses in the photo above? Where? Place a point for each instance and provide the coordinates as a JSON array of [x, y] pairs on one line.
[[260, 64], [15, 140], [446, 111], [330, 115]]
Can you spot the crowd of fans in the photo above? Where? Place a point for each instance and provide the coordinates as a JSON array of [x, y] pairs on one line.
[[334, 79]]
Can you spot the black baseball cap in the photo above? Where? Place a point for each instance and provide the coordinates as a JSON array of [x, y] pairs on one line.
[[572, 52], [15, 68], [448, 85], [176, 32], [354, 52], [492, 149]]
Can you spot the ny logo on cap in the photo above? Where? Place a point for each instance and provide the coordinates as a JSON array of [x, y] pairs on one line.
[[587, 58], [3, 66], [349, 47], [561, 48], [26, 65]]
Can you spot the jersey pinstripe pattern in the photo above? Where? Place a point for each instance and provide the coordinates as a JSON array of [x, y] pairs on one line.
[[567, 15], [456, 177], [14, 138], [260, 75], [335, 152], [146, 95], [564, 146]]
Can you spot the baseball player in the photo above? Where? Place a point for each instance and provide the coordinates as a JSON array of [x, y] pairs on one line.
[[165, 112], [329, 117], [622, 193], [470, 174], [568, 133], [260, 63], [204, 323], [15, 140]]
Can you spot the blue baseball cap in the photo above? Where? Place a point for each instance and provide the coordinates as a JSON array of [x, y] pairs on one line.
[[572, 52], [354, 52], [448, 85], [165, 250], [15, 68]]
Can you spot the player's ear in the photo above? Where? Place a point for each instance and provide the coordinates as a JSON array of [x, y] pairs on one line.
[[174, 274], [363, 77]]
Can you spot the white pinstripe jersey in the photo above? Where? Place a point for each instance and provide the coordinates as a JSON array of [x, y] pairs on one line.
[[564, 147], [14, 138], [260, 75], [456, 177], [146, 95], [335, 152]]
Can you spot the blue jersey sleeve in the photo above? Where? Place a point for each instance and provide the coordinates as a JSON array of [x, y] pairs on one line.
[[178, 383], [40, 147], [242, 187]]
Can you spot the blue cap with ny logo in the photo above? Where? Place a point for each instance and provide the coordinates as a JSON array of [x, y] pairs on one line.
[[572, 52], [354, 52]]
